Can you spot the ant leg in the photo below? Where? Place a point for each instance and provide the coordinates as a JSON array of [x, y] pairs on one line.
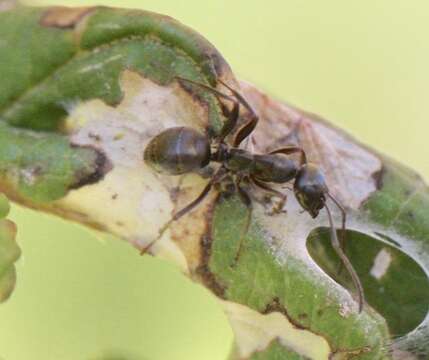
[[248, 203], [230, 123], [237, 96], [217, 177], [247, 128], [283, 197], [343, 227], [208, 88], [288, 150], [233, 115], [345, 260], [240, 98]]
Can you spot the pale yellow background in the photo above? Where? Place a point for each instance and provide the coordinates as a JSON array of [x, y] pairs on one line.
[[362, 64]]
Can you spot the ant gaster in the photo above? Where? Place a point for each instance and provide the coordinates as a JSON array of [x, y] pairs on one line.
[[180, 150]]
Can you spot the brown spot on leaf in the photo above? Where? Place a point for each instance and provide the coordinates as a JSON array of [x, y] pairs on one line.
[[378, 177], [31, 174], [276, 306], [302, 316], [203, 270], [93, 136], [64, 17], [174, 193], [221, 68], [408, 192], [348, 354], [209, 279], [101, 167], [410, 215]]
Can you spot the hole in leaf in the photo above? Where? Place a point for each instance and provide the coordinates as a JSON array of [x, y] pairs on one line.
[[395, 285]]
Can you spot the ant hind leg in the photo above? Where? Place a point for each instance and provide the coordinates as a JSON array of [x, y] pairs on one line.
[[217, 177], [343, 229]]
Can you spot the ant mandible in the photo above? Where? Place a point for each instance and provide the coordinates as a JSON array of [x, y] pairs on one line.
[[180, 150]]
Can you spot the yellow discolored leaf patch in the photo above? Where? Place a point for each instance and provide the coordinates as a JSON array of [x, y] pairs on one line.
[[64, 17], [255, 331]]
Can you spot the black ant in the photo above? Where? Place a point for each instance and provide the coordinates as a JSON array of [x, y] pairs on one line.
[[180, 150]]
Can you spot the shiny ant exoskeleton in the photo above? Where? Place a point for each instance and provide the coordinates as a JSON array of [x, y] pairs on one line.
[[180, 150]]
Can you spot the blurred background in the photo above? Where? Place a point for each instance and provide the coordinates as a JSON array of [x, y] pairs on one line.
[[362, 65]]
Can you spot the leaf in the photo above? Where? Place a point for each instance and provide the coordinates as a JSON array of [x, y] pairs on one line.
[[76, 115], [4, 206], [9, 251]]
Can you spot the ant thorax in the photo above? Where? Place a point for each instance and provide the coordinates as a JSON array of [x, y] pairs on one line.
[[239, 161]]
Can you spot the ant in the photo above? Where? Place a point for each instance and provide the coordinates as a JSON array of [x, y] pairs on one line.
[[180, 150]]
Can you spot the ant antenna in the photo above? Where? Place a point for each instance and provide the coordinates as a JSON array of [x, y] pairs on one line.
[[344, 259], [343, 228]]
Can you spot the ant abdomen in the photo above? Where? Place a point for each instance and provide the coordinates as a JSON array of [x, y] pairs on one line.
[[178, 150]]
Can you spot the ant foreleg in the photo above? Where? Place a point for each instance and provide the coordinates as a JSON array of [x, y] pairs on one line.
[[217, 177], [229, 126], [240, 98], [208, 88], [247, 128], [230, 123], [233, 115], [345, 260], [343, 228]]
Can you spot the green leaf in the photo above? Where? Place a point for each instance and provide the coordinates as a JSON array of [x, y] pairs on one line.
[[278, 352], [43, 167], [9, 251], [4, 206], [86, 63], [86, 89]]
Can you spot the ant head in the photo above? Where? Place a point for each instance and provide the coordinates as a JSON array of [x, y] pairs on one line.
[[310, 189]]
